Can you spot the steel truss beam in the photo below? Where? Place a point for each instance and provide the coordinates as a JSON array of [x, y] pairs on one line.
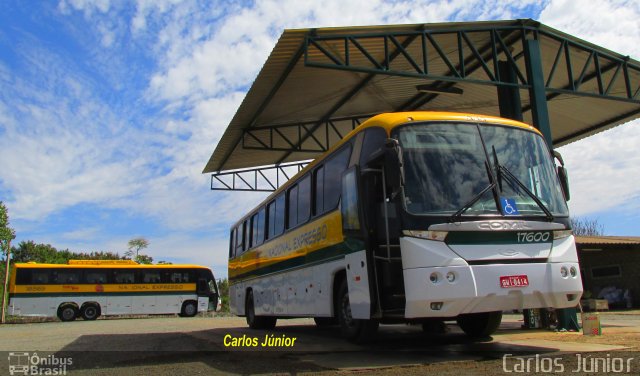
[[300, 137], [577, 70], [426, 58], [263, 179]]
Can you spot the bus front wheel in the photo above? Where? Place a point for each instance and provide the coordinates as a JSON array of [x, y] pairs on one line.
[[189, 309], [67, 312], [254, 321], [355, 330], [480, 325], [90, 311]]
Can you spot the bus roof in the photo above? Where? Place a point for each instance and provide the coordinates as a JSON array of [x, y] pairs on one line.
[[35, 265], [389, 121], [393, 119]]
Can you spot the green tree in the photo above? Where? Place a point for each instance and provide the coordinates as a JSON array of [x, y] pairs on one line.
[[100, 255], [223, 290], [135, 245], [47, 254], [144, 259], [42, 253], [7, 234]]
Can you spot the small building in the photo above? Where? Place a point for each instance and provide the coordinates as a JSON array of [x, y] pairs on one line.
[[610, 267]]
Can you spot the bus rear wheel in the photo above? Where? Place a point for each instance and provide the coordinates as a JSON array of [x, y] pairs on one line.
[[254, 321], [480, 325], [354, 330], [67, 312], [189, 309], [90, 311]]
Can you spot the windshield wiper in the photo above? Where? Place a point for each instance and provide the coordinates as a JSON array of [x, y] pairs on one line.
[[475, 198], [500, 170]]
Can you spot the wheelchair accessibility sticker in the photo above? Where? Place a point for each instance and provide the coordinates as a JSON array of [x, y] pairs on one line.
[[509, 206]]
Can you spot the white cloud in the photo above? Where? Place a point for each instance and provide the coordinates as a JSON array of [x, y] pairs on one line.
[[613, 24], [229, 56], [82, 234], [603, 168], [88, 7]]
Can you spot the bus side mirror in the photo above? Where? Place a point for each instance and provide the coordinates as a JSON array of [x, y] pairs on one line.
[[393, 164], [564, 181], [563, 175]]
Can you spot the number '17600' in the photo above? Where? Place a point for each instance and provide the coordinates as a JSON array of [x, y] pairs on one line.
[[533, 237]]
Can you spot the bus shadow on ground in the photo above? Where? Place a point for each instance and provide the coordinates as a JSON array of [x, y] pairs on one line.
[[314, 349]]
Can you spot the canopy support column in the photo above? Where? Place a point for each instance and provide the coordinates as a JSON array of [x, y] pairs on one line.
[[537, 94], [509, 96]]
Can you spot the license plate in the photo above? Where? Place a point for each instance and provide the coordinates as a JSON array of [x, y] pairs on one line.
[[514, 281]]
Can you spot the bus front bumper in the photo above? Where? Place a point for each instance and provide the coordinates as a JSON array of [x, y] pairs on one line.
[[477, 288]]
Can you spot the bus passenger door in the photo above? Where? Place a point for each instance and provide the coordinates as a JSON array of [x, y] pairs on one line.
[[207, 292], [356, 258], [381, 183]]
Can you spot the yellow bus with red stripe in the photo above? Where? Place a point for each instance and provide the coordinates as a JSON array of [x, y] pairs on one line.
[[89, 289]]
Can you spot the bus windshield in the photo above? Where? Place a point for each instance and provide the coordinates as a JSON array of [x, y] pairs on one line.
[[447, 165]]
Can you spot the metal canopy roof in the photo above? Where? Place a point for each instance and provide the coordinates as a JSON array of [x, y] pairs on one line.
[[318, 84]]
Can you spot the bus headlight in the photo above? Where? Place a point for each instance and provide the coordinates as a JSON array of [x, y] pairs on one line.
[[564, 272], [434, 278], [573, 271], [451, 277], [429, 235]]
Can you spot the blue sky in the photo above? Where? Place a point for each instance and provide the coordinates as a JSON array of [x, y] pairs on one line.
[[109, 111]]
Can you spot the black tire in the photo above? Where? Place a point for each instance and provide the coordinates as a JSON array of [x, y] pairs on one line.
[[254, 321], [354, 330], [189, 309], [67, 312], [480, 325], [90, 311], [323, 322]]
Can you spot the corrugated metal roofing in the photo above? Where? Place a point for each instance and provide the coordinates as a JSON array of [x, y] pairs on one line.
[[602, 240], [288, 91]]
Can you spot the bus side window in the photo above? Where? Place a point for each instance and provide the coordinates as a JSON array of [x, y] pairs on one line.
[[374, 139], [179, 276], [40, 276], [247, 234], [95, 276], [23, 276], [319, 191], [334, 168], [280, 214], [299, 202], [239, 236], [203, 286], [304, 199], [258, 227], [293, 206], [65, 276], [276, 215], [124, 276], [271, 220], [151, 276], [232, 244]]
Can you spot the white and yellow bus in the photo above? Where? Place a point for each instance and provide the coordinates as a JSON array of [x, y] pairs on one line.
[[416, 217], [89, 289]]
